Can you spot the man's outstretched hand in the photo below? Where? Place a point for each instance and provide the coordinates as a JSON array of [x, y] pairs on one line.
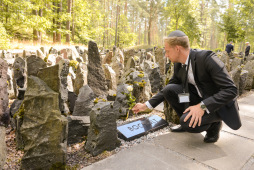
[[196, 114], [139, 107]]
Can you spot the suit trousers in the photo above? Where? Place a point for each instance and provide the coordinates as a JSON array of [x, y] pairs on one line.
[[170, 93]]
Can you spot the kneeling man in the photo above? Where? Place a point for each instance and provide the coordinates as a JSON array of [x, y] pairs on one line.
[[200, 91]]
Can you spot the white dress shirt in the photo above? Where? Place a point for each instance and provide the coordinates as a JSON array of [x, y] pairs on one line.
[[191, 80]]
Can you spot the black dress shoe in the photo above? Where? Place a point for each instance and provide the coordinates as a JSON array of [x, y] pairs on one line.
[[213, 133], [177, 128]]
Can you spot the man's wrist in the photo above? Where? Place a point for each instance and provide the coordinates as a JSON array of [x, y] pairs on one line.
[[203, 106], [148, 105]]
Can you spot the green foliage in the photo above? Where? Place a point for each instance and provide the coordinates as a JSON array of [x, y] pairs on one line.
[[20, 112], [131, 100], [4, 39], [231, 25]]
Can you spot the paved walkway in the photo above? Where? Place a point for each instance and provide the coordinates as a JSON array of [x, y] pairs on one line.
[[233, 151]]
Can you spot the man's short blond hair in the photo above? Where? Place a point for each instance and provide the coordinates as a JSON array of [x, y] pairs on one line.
[[181, 41]]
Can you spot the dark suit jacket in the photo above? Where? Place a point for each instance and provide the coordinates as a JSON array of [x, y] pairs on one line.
[[214, 83], [229, 48], [247, 50]]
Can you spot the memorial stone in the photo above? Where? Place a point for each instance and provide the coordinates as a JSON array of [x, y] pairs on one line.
[[4, 100], [2, 147], [34, 64], [44, 130], [96, 78], [102, 133], [77, 128], [140, 127], [153, 71], [81, 77], [84, 102]]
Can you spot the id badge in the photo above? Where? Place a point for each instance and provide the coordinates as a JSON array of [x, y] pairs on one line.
[[184, 97]]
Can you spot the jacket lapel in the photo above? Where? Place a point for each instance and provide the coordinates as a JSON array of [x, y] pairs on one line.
[[193, 64]]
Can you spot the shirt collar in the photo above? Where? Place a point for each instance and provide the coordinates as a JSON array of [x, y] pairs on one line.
[[187, 60]]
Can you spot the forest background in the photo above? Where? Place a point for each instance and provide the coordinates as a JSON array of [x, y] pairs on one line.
[[210, 24]]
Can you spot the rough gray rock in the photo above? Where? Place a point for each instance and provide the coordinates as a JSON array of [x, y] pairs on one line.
[[77, 128], [2, 146], [153, 71], [108, 58], [161, 59], [4, 100], [242, 83], [235, 62], [130, 63], [110, 75], [102, 133], [235, 75], [19, 71], [121, 106], [128, 54], [141, 86], [85, 102], [249, 66], [223, 56], [34, 64], [96, 78], [81, 77], [44, 130], [56, 78]]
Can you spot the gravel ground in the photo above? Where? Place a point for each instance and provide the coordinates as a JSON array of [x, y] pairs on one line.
[[77, 157]]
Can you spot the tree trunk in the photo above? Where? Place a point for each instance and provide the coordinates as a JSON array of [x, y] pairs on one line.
[[35, 31], [59, 24], [117, 13], [73, 22], [68, 22], [54, 24], [40, 33], [125, 8], [145, 32], [104, 24]]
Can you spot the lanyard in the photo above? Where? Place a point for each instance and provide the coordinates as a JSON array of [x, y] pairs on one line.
[[186, 76]]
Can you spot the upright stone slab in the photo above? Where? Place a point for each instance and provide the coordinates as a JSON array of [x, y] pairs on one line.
[[77, 128], [242, 83], [63, 73], [121, 106], [44, 130], [108, 58], [96, 78], [2, 147], [153, 71], [235, 75], [118, 68], [19, 72], [85, 102], [130, 63], [102, 133], [4, 101], [235, 62], [249, 66], [57, 82], [223, 56], [81, 77], [141, 86], [110, 75], [34, 64], [161, 59]]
